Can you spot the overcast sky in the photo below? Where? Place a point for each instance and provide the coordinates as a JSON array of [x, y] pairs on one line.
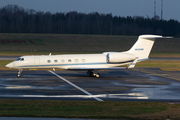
[[116, 7]]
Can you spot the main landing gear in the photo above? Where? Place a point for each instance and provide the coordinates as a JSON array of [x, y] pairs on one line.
[[19, 72], [93, 73]]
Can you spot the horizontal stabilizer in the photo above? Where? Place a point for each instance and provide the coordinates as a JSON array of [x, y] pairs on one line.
[[154, 36]]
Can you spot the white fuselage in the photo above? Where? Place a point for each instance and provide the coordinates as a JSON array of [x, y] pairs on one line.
[[78, 61]]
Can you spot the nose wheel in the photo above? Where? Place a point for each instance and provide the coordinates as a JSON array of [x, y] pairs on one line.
[[19, 72]]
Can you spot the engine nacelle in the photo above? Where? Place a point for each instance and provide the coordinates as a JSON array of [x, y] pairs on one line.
[[120, 57]]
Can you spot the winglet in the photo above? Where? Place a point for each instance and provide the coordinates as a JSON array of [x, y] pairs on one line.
[[132, 65]]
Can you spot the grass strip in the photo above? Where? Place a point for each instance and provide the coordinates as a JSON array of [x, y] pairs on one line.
[[5, 62], [159, 63], [82, 109], [21, 53], [170, 69], [165, 54]]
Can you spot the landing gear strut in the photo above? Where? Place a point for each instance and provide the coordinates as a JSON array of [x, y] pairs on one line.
[[93, 73], [19, 72]]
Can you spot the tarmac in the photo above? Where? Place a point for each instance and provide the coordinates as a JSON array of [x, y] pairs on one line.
[[138, 84]]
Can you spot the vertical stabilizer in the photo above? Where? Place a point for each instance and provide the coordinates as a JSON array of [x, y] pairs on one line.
[[143, 46]]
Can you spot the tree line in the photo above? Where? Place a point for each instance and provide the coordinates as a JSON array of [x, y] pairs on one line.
[[15, 19]]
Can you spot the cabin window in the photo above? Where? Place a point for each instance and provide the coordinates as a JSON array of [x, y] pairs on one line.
[[48, 61], [55, 61], [62, 61], [76, 60], [83, 60], [69, 60]]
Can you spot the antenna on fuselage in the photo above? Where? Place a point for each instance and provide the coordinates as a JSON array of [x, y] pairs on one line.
[[49, 54]]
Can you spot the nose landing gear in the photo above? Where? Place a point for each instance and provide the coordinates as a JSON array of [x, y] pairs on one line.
[[19, 72]]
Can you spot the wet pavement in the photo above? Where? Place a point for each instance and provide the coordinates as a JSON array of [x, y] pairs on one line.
[[139, 84]]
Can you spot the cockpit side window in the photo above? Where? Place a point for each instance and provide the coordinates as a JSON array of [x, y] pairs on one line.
[[22, 59]]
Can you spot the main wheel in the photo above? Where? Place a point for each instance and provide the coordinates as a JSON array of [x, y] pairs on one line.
[[91, 74], [97, 75]]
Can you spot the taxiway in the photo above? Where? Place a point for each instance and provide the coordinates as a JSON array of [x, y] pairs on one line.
[[139, 84]]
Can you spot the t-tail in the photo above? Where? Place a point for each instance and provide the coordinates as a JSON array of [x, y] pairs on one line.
[[142, 48]]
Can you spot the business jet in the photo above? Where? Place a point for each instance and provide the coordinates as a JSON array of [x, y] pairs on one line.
[[91, 63]]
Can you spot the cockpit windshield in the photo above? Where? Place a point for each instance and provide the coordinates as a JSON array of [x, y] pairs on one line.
[[20, 59]]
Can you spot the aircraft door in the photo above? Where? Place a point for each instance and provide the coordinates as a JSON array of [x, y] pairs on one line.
[[36, 62]]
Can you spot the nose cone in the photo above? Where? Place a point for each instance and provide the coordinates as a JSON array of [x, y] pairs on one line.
[[10, 65]]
